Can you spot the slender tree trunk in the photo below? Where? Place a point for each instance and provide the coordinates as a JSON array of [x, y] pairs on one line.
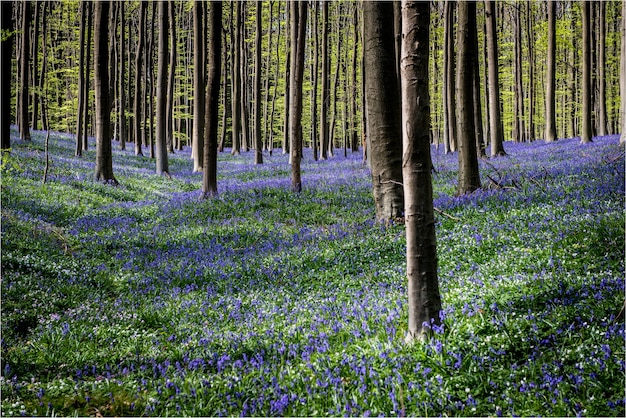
[[585, 134], [288, 47], [268, 64], [531, 72], [258, 140], [602, 118], [424, 299], [236, 80], [35, 54], [139, 91], [214, 51], [162, 166], [121, 79], [383, 108], [104, 154], [353, 89], [622, 77], [314, 75], [6, 49], [450, 137], [243, 69], [271, 132], [150, 68], [25, 62], [551, 75], [325, 84], [199, 46], [171, 80], [85, 110], [469, 177], [78, 151], [519, 131], [299, 11], [478, 111], [495, 116]]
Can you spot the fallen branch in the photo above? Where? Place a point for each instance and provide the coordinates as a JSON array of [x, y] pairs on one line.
[[439, 211]]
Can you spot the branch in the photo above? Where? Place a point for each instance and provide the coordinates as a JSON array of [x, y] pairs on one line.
[[439, 211]]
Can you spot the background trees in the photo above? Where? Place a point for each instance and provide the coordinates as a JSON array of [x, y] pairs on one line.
[[521, 67]]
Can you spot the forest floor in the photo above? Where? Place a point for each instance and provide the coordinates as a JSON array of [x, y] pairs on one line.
[[143, 299]]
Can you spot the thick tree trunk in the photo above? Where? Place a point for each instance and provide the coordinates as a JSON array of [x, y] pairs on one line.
[[495, 115], [258, 140], [424, 299], [551, 75], [469, 178], [383, 107], [199, 45], [585, 134], [299, 11], [162, 166], [24, 64], [104, 155], [214, 50], [6, 49]]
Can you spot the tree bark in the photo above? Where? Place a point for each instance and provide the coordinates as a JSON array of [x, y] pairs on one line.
[[199, 47], [424, 299], [121, 78], [104, 155], [171, 80], [214, 50], [236, 80], [85, 133], [519, 128], [450, 134], [585, 134], [531, 72], [622, 77], [6, 49], [495, 115], [323, 131], [299, 11], [139, 91], [258, 140], [162, 166], [78, 151], [551, 75], [35, 49], [469, 177], [383, 108], [601, 117], [25, 62]]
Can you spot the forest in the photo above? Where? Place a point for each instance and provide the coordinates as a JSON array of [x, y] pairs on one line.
[[302, 208]]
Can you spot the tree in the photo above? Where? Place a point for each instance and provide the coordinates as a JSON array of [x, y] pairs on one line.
[[298, 33], [214, 51], [622, 78], [104, 155], [383, 108], [325, 84], [170, 80], [120, 79], [585, 134], [258, 140], [139, 93], [518, 124], [81, 80], [25, 62], [551, 75], [6, 49], [162, 166], [601, 121], [495, 116], [199, 63], [421, 245], [449, 89], [236, 79], [469, 177]]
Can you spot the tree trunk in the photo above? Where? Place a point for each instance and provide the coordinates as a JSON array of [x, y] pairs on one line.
[[139, 92], [35, 49], [551, 75], [353, 89], [383, 108], [162, 166], [121, 78], [85, 133], [78, 151], [258, 140], [104, 155], [622, 77], [171, 80], [199, 47], [299, 11], [6, 49], [424, 299], [325, 84], [601, 118], [495, 116], [469, 177], [214, 51], [25, 62], [450, 136], [236, 80], [288, 47], [531, 72], [519, 129], [585, 134]]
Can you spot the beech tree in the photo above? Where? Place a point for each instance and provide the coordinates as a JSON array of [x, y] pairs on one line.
[[22, 111], [383, 108], [585, 133], [104, 154], [551, 75], [214, 51], [6, 51], [421, 246], [139, 93], [162, 166], [199, 46], [495, 115]]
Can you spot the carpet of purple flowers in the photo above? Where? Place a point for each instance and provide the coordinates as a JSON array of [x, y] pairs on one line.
[[144, 299]]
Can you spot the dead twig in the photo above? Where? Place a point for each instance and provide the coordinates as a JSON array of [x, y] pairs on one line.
[[447, 215]]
